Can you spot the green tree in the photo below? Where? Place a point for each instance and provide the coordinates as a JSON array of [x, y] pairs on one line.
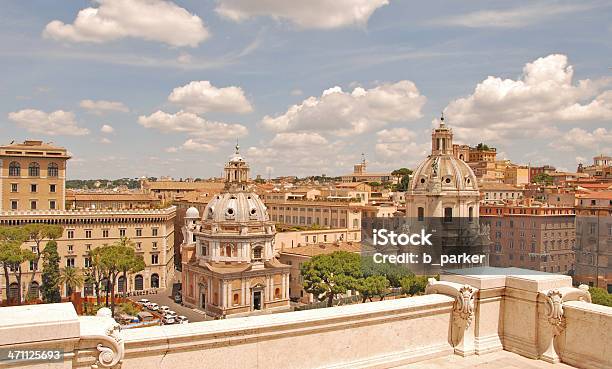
[[96, 272], [51, 273], [12, 255], [414, 285], [392, 272], [375, 285], [482, 147], [72, 278], [543, 178], [600, 296], [39, 232], [403, 178], [328, 275], [129, 262]]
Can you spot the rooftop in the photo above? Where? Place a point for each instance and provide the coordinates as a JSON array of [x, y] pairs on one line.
[[323, 248]]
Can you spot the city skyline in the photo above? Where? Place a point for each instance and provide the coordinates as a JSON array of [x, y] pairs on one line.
[[348, 82]]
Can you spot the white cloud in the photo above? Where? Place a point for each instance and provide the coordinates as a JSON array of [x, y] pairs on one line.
[[153, 20], [101, 106], [202, 96], [528, 107], [171, 149], [321, 14], [55, 123], [192, 124], [303, 139], [344, 113], [398, 146], [512, 17], [580, 139], [194, 145], [107, 129], [105, 140]]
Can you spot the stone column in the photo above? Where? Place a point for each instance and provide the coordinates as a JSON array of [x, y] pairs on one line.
[[222, 293]]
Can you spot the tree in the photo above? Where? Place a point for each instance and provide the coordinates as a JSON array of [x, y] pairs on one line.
[[328, 275], [12, 255], [115, 259], [482, 147], [72, 278], [95, 273], [392, 272], [403, 178], [38, 232], [51, 273], [413, 285], [129, 261], [600, 296], [375, 285], [543, 178]]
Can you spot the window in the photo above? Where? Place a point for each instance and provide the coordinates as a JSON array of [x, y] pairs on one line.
[[257, 253], [70, 233], [155, 280], [52, 204], [70, 263], [236, 299], [470, 214], [154, 259], [33, 266], [154, 232], [87, 262], [122, 232], [204, 250], [13, 187], [52, 170], [420, 214], [33, 204], [139, 232], [52, 188], [88, 233], [14, 204], [448, 215], [154, 245], [138, 283], [105, 233], [88, 247], [33, 187], [14, 169], [70, 248], [34, 169]]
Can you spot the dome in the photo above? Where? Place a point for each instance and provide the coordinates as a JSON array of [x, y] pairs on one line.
[[192, 213], [445, 171], [236, 207]]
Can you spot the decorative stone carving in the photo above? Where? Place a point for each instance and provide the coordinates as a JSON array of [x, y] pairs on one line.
[[105, 332], [554, 299], [464, 306]]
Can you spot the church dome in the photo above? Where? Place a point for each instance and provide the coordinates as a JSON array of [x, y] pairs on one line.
[[446, 171], [192, 213], [236, 207]]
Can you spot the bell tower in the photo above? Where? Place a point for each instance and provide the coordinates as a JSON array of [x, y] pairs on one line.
[[236, 172], [442, 139]]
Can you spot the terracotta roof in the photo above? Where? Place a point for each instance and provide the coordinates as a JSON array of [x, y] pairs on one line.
[[323, 248], [88, 196], [32, 144], [484, 186], [176, 185], [604, 195], [351, 184]]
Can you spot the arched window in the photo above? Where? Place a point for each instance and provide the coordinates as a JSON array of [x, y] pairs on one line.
[[236, 299], [52, 170], [34, 169], [33, 290], [277, 293], [448, 215], [14, 169], [121, 284], [13, 291], [155, 280], [104, 285], [138, 283], [228, 250]]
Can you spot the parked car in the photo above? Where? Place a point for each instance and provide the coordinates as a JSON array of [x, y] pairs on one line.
[[169, 319], [164, 308], [181, 319], [143, 302], [153, 306], [171, 312]]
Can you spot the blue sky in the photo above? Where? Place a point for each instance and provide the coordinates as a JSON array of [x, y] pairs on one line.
[[152, 87]]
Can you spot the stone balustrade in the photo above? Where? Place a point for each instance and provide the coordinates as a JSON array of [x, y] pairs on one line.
[[541, 317]]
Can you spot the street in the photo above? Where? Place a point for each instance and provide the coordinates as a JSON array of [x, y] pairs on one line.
[[164, 298]]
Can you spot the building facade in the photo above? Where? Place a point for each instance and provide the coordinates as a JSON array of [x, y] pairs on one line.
[[32, 176], [229, 263]]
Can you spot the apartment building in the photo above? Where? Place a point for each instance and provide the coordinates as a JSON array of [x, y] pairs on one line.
[[594, 239], [151, 231], [493, 192], [110, 200], [531, 235], [32, 176]]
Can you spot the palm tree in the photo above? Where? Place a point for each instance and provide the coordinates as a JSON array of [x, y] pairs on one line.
[[72, 278]]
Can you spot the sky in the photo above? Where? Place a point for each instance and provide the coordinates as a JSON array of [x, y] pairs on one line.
[[152, 87]]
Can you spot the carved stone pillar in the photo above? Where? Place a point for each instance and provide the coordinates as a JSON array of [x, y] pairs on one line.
[[554, 299], [462, 330], [104, 334]]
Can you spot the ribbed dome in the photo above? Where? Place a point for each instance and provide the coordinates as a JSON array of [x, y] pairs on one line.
[[447, 171], [192, 213], [236, 207]]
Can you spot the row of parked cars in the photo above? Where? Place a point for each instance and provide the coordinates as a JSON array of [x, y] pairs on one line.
[[167, 316]]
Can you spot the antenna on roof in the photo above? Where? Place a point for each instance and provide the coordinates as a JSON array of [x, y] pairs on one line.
[[237, 146]]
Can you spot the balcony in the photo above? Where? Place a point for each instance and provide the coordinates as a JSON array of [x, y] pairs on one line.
[[464, 321]]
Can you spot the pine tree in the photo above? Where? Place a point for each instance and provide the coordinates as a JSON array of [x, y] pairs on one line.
[[51, 274]]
